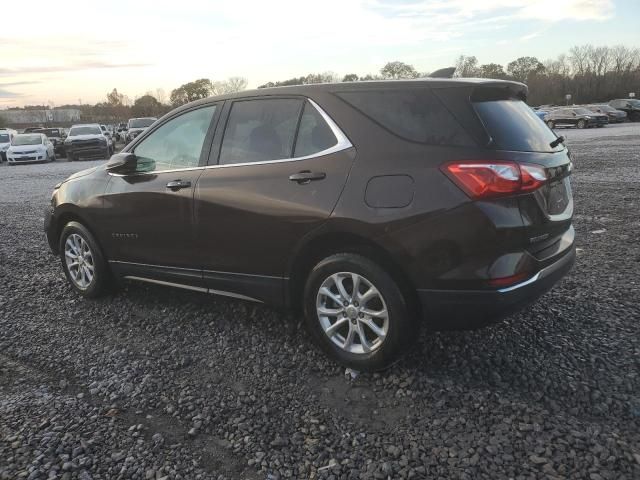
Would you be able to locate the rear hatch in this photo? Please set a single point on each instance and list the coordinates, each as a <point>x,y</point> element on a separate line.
<point>499,119</point>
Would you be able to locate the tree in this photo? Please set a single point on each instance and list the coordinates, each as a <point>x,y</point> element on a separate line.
<point>491,70</point>
<point>188,92</point>
<point>350,77</point>
<point>397,70</point>
<point>467,67</point>
<point>146,106</point>
<point>114,98</point>
<point>230,85</point>
<point>522,68</point>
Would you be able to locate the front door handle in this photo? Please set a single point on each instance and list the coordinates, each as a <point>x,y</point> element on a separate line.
<point>176,185</point>
<point>306,176</point>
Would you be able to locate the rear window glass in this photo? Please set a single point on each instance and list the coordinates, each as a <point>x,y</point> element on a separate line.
<point>413,114</point>
<point>314,135</point>
<point>514,126</point>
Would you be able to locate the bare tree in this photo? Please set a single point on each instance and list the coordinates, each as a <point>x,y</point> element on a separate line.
<point>467,66</point>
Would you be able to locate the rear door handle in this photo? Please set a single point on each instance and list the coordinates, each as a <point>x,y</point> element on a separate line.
<point>306,176</point>
<point>178,184</point>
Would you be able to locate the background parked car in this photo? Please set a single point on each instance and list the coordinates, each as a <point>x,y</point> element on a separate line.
<point>6,134</point>
<point>110,142</point>
<point>631,106</point>
<point>574,117</point>
<point>615,116</point>
<point>136,126</point>
<point>86,141</point>
<point>56,137</point>
<point>30,148</point>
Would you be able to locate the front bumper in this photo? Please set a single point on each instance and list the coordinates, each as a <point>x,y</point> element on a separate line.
<point>49,227</point>
<point>470,309</point>
<point>94,151</point>
<point>26,159</point>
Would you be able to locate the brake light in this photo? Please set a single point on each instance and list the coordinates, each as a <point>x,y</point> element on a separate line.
<point>487,179</point>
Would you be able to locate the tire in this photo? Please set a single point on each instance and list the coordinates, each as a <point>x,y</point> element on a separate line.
<point>550,124</point>
<point>581,124</point>
<point>106,154</point>
<point>380,348</point>
<point>70,157</point>
<point>76,238</point>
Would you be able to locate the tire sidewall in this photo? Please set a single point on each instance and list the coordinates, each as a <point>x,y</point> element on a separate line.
<point>101,272</point>
<point>401,325</point>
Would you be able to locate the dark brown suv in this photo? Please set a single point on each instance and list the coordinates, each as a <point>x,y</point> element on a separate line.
<point>373,207</point>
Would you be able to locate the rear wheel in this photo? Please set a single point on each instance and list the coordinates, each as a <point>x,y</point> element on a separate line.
<point>582,124</point>
<point>82,261</point>
<point>357,312</point>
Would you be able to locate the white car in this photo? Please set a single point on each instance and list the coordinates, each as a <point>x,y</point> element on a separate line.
<point>6,135</point>
<point>30,148</point>
<point>109,137</point>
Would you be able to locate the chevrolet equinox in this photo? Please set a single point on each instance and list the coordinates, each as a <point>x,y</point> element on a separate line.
<point>371,207</point>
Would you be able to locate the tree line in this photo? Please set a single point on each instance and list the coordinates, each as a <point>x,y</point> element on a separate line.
<point>588,73</point>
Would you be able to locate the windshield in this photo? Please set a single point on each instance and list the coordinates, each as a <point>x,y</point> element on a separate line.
<point>635,103</point>
<point>4,138</point>
<point>141,122</point>
<point>50,132</point>
<point>582,111</point>
<point>27,140</point>
<point>604,108</point>
<point>512,125</point>
<point>75,131</point>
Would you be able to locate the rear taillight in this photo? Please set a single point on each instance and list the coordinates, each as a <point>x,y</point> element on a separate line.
<point>487,179</point>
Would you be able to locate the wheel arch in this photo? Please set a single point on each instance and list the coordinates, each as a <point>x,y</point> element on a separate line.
<point>329,243</point>
<point>72,215</point>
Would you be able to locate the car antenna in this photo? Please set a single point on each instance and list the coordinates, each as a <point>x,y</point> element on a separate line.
<point>443,73</point>
<point>557,142</point>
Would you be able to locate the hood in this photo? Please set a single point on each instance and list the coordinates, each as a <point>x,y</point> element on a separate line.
<point>25,148</point>
<point>91,136</point>
<point>83,173</point>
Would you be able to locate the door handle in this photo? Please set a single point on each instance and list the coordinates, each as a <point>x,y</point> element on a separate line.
<point>176,185</point>
<point>306,176</point>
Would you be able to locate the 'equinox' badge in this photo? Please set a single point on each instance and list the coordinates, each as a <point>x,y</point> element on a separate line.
<point>125,236</point>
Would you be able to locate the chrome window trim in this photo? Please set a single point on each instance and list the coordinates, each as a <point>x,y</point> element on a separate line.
<point>343,143</point>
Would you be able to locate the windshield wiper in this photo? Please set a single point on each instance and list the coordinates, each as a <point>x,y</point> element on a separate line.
<point>557,142</point>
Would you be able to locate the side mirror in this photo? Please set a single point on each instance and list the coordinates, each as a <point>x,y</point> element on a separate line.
<point>125,162</point>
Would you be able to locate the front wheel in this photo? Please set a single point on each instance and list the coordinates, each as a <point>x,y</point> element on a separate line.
<point>550,124</point>
<point>582,124</point>
<point>357,312</point>
<point>82,261</point>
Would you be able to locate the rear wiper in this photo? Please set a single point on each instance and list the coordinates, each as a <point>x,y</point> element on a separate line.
<point>557,142</point>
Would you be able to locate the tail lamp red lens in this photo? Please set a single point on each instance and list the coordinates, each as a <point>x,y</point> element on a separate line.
<point>487,179</point>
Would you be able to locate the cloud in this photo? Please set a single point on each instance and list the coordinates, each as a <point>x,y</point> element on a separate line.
<point>65,68</point>
<point>7,94</point>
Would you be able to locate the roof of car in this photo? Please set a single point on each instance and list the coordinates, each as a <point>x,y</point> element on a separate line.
<point>86,125</point>
<point>363,85</point>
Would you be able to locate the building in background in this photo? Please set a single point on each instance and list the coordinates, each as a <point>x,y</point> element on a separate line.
<point>62,117</point>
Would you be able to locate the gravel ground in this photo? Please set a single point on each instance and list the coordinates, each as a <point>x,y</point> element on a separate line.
<point>159,383</point>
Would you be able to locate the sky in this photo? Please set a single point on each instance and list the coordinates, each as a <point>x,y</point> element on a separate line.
<point>78,50</point>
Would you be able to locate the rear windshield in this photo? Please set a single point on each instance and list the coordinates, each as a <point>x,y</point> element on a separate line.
<point>513,126</point>
<point>4,138</point>
<point>413,114</point>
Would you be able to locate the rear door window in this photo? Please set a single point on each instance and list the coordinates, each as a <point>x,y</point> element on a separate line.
<point>260,130</point>
<point>414,114</point>
<point>314,135</point>
<point>513,126</point>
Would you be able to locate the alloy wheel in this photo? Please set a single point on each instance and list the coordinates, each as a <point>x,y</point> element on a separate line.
<point>79,261</point>
<point>352,312</point>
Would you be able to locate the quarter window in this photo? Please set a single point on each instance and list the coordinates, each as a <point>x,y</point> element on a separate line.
<point>314,135</point>
<point>176,144</point>
<point>413,114</point>
<point>260,130</point>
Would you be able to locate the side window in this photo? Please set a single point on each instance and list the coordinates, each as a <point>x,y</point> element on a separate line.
<point>260,130</point>
<point>314,135</point>
<point>414,114</point>
<point>176,144</point>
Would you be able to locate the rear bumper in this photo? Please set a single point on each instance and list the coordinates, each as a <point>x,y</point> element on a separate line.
<point>470,309</point>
